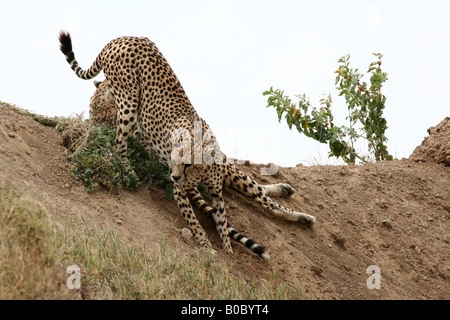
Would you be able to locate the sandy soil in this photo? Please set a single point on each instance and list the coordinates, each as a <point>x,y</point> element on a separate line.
<point>394,215</point>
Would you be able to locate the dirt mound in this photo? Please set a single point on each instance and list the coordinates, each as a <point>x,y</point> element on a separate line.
<point>435,147</point>
<point>393,215</point>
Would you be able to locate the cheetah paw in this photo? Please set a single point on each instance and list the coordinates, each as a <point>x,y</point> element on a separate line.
<point>307,219</point>
<point>286,190</point>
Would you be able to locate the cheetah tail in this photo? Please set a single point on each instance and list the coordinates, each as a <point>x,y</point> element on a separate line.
<point>249,243</point>
<point>66,48</point>
<point>200,203</point>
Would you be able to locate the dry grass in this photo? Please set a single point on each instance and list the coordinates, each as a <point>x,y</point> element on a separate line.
<point>35,254</point>
<point>30,256</point>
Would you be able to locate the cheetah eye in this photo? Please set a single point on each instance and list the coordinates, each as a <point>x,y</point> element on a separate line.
<point>186,167</point>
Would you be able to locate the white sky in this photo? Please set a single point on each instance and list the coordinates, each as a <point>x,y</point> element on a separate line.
<point>226,53</point>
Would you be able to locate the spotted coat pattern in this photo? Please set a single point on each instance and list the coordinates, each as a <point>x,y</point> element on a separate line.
<point>149,97</point>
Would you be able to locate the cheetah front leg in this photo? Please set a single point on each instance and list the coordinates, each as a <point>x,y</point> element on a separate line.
<point>198,200</point>
<point>180,195</point>
<point>220,218</point>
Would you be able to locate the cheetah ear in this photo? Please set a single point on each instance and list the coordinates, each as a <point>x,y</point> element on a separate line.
<point>97,83</point>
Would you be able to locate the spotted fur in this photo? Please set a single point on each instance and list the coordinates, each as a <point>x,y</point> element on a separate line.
<point>188,174</point>
<point>148,97</point>
<point>198,200</point>
<point>102,109</point>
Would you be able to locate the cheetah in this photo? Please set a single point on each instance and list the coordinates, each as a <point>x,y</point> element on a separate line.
<point>149,96</point>
<point>103,111</point>
<point>144,86</point>
<point>102,108</point>
<point>203,162</point>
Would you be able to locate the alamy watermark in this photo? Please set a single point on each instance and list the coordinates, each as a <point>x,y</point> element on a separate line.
<point>74,280</point>
<point>202,147</point>
<point>374,280</point>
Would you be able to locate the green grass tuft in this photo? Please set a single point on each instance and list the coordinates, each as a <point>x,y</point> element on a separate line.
<point>97,163</point>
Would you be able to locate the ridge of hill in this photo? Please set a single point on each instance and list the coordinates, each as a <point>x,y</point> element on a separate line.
<point>394,215</point>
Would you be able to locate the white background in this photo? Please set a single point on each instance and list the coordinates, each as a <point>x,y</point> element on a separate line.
<point>226,53</point>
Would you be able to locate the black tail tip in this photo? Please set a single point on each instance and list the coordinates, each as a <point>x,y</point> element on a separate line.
<point>66,42</point>
<point>262,252</point>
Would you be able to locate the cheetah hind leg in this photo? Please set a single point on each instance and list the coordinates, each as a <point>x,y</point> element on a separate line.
<point>200,203</point>
<point>140,138</point>
<point>278,190</point>
<point>247,186</point>
<point>127,102</point>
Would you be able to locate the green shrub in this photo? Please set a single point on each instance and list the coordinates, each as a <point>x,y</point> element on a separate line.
<point>365,108</point>
<point>97,163</point>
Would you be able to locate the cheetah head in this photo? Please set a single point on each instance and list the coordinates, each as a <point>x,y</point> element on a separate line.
<point>102,108</point>
<point>187,174</point>
<point>185,170</point>
<point>190,157</point>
